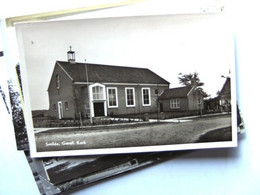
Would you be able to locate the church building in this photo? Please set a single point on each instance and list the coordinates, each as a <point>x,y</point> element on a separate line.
<point>97,90</point>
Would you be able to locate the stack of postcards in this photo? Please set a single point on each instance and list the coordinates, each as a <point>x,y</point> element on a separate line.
<point>101,97</point>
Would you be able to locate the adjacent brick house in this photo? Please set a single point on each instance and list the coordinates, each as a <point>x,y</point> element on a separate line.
<point>102,90</point>
<point>182,99</point>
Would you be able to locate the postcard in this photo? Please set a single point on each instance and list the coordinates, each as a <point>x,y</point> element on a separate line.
<point>68,174</point>
<point>128,84</point>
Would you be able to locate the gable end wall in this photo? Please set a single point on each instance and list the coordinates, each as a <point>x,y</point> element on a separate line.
<point>64,94</point>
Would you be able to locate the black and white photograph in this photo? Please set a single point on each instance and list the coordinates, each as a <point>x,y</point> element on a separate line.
<point>128,84</point>
<point>70,174</point>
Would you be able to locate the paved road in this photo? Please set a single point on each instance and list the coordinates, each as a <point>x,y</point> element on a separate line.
<point>144,135</point>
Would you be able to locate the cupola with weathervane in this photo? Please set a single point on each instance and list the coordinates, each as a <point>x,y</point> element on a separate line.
<point>71,56</point>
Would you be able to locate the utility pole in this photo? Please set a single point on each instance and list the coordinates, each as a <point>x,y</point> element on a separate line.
<point>90,116</point>
<point>157,101</point>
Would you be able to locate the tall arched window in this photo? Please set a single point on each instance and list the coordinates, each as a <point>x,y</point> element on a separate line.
<point>98,93</point>
<point>57,81</point>
<point>97,100</point>
<point>146,96</point>
<point>112,97</point>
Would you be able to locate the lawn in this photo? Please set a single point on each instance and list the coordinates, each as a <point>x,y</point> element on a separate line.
<point>141,134</point>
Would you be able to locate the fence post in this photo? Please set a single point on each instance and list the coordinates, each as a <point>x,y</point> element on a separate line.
<point>80,119</point>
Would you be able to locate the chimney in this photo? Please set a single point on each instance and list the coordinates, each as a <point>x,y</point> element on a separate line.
<point>71,56</point>
<point>193,82</point>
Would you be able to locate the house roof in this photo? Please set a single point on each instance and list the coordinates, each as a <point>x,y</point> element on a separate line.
<point>110,74</point>
<point>175,93</point>
<point>226,87</point>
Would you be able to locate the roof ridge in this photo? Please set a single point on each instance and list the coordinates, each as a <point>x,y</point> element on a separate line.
<point>83,63</point>
<point>180,87</point>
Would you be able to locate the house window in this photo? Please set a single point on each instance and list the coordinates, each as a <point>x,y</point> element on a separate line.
<point>146,97</point>
<point>130,97</point>
<point>66,106</point>
<point>112,97</point>
<point>57,81</point>
<point>97,92</point>
<point>54,107</point>
<point>175,103</point>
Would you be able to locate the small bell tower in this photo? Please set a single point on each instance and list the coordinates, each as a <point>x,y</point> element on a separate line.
<point>71,56</point>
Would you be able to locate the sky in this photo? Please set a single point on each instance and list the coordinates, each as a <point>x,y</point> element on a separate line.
<point>166,44</point>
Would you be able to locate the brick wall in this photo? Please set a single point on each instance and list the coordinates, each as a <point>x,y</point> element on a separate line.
<point>64,94</point>
<point>167,108</point>
<point>193,99</point>
<point>122,109</point>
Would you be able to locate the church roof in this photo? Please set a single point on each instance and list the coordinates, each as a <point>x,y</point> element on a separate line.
<point>109,74</point>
